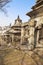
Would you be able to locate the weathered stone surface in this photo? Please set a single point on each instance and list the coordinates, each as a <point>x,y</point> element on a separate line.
<point>19,57</point>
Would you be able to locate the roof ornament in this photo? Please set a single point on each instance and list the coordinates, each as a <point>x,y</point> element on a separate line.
<point>18,18</point>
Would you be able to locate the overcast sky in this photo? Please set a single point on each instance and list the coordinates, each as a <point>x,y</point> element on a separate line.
<point>15,8</point>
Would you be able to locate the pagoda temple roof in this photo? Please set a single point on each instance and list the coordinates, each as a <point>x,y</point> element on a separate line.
<point>36,9</point>
<point>31,13</point>
<point>38,3</point>
<point>38,0</point>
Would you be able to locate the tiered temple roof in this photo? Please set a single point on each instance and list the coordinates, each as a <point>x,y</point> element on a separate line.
<point>36,9</point>
<point>38,4</point>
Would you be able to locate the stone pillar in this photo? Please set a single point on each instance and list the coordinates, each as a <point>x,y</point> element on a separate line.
<point>31,39</point>
<point>22,34</point>
<point>26,32</point>
<point>12,38</point>
<point>39,41</point>
<point>37,36</point>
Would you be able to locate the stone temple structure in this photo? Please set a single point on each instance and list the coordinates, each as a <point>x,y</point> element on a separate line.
<point>29,34</point>
<point>24,41</point>
<point>37,17</point>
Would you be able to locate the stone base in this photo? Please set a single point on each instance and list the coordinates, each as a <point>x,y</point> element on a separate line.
<point>40,45</point>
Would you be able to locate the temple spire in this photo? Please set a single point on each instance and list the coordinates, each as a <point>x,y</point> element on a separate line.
<point>18,20</point>
<point>18,16</point>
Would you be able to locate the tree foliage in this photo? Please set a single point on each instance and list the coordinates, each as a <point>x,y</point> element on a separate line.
<point>2,4</point>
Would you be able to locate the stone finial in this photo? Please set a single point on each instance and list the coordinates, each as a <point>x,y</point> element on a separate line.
<point>18,18</point>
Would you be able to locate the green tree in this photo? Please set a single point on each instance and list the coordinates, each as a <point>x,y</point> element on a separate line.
<point>3,3</point>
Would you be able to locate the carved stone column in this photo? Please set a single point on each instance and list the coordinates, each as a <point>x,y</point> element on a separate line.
<point>22,34</point>
<point>31,39</point>
<point>37,38</point>
<point>38,44</point>
<point>12,38</point>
